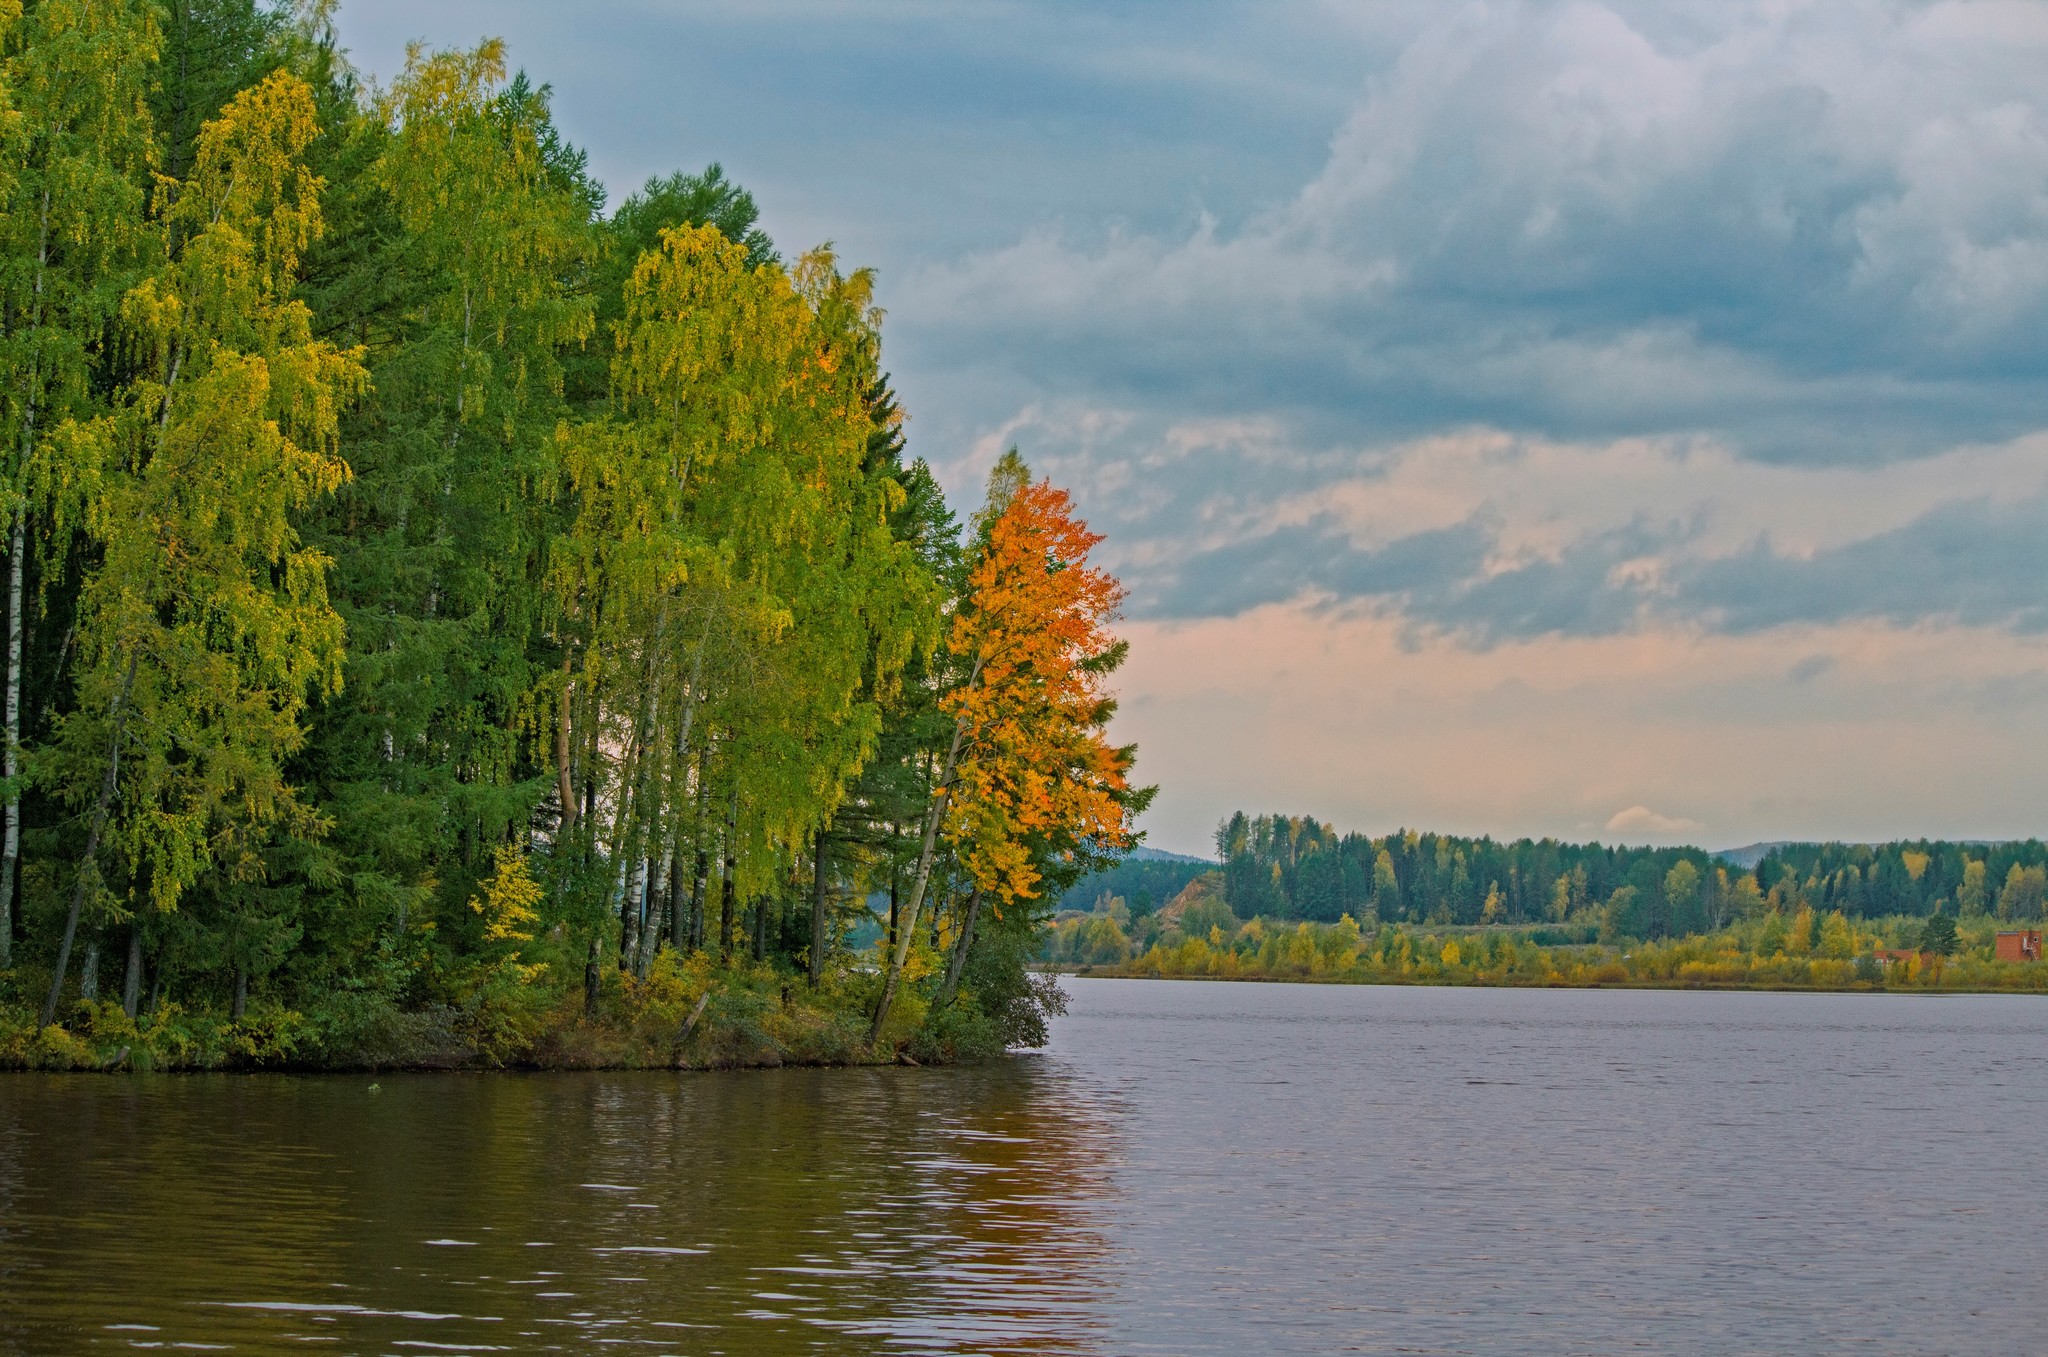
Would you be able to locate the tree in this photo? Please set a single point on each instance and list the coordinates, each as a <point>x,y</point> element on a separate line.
<point>1386,888</point>
<point>707,199</point>
<point>1684,915</point>
<point>76,150</point>
<point>729,553</point>
<point>1621,919</point>
<point>1745,900</point>
<point>206,627</point>
<point>1836,940</point>
<point>1970,893</point>
<point>1938,935</point>
<point>2023,894</point>
<point>1029,768</point>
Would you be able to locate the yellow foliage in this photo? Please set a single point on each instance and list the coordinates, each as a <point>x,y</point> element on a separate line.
<point>508,898</point>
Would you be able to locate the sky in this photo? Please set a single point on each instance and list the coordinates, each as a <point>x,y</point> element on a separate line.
<point>1606,420</point>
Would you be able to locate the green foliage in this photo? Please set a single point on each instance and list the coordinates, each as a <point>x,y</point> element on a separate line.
<point>1938,935</point>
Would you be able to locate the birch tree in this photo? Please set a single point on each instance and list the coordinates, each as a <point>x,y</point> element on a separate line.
<point>77,148</point>
<point>206,627</point>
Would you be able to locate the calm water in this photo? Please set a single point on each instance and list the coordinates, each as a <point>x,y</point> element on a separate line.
<point>1192,1168</point>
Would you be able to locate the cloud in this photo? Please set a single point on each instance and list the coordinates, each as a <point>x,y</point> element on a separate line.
<point>1976,562</point>
<point>1817,231</point>
<point>1485,538</point>
<point>1643,820</point>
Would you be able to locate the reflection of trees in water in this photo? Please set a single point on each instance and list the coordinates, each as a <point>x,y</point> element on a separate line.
<point>147,1200</point>
<point>986,1204</point>
<point>942,1207</point>
<point>854,1209</point>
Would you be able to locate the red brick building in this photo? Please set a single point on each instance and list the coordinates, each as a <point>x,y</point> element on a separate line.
<point>2024,945</point>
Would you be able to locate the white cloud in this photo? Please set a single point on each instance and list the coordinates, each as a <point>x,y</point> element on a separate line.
<point>1643,820</point>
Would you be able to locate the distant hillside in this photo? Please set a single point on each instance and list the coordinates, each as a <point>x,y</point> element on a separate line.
<point>1749,855</point>
<point>1148,878</point>
<point>1143,854</point>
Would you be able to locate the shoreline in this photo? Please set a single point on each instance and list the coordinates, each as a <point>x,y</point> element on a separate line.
<point>1711,987</point>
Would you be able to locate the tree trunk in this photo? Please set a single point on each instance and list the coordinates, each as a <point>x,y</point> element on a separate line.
<point>960,946</point>
<point>818,910</point>
<point>131,985</point>
<point>564,786</point>
<point>697,901</point>
<point>940,795</point>
<point>632,914</point>
<point>651,916</point>
<point>678,916</point>
<point>17,552</point>
<point>89,972</point>
<point>10,760</point>
<point>88,866</point>
<point>593,976</point>
<point>621,840</point>
<point>725,916</point>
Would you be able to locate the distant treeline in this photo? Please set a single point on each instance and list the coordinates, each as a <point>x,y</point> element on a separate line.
<point>1295,867</point>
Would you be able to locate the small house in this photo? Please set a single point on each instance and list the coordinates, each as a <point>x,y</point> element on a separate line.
<point>2024,945</point>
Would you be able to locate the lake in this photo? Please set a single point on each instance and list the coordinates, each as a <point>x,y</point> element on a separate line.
<point>1190,1168</point>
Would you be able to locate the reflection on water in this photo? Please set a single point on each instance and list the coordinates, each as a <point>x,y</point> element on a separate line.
<point>1192,1168</point>
<point>766,1212</point>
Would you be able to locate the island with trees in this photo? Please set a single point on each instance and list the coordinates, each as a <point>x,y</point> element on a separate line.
<point>451,623</point>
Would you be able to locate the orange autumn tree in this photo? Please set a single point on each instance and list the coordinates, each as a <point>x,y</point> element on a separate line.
<point>1030,769</point>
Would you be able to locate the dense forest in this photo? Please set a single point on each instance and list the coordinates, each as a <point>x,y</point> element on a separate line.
<point>1294,867</point>
<point>449,620</point>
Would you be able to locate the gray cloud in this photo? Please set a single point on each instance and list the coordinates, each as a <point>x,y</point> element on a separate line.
<point>1820,232</point>
<point>1975,563</point>
<point>1315,558</point>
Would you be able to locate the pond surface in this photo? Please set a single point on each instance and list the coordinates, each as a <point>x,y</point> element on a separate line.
<point>1192,1168</point>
